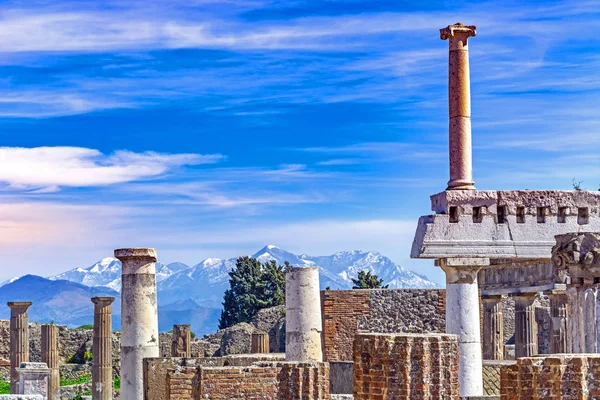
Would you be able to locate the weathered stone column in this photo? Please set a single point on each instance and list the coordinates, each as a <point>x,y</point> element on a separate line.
<point>139,318</point>
<point>260,343</point>
<point>558,311</point>
<point>19,340</point>
<point>493,328</point>
<point>462,319</point>
<point>181,344</point>
<point>303,324</point>
<point>51,357</point>
<point>102,379</point>
<point>526,340</point>
<point>459,99</point>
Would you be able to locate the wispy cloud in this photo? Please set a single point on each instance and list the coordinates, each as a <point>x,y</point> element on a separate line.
<point>54,167</point>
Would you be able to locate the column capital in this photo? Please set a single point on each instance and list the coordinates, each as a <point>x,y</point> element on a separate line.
<point>136,254</point>
<point>459,33</point>
<point>16,305</point>
<point>102,301</point>
<point>573,249</point>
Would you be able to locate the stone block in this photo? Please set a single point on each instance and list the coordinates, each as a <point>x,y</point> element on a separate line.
<point>341,377</point>
<point>33,379</point>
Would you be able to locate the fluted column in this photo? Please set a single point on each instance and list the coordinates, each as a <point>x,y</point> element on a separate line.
<point>51,357</point>
<point>19,340</point>
<point>526,340</point>
<point>260,343</point>
<point>558,312</point>
<point>459,99</point>
<point>462,319</point>
<point>181,345</point>
<point>102,376</point>
<point>493,328</point>
<point>139,318</point>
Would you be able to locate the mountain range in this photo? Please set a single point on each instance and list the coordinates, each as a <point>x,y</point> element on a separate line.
<point>186,294</point>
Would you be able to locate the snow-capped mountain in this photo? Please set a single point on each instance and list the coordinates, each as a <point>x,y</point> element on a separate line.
<point>107,272</point>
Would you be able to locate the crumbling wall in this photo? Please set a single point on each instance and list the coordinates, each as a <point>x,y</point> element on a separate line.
<point>346,312</point>
<point>405,366</point>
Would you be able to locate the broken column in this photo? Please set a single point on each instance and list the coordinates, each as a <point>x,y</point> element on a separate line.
<point>558,312</point>
<point>462,319</point>
<point>19,340</point>
<point>576,257</point>
<point>459,102</point>
<point>260,343</point>
<point>181,344</point>
<point>139,318</point>
<point>493,328</point>
<point>526,341</point>
<point>303,315</point>
<point>51,357</point>
<point>102,379</point>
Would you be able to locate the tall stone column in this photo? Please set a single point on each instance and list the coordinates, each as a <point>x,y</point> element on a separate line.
<point>462,319</point>
<point>459,99</point>
<point>51,357</point>
<point>303,324</point>
<point>139,318</point>
<point>526,340</point>
<point>182,340</point>
<point>558,312</point>
<point>19,340</point>
<point>102,376</point>
<point>493,328</point>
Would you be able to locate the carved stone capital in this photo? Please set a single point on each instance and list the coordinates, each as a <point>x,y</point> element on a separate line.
<point>576,249</point>
<point>458,31</point>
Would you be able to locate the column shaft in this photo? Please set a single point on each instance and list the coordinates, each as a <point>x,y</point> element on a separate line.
<point>102,375</point>
<point>558,311</point>
<point>51,357</point>
<point>19,340</point>
<point>139,318</point>
<point>260,343</point>
<point>493,328</point>
<point>526,340</point>
<point>303,315</point>
<point>462,319</point>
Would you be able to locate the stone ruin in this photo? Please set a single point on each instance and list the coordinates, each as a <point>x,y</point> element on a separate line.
<point>538,251</point>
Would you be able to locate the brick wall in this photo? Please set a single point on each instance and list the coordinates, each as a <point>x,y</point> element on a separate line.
<point>346,312</point>
<point>180,384</point>
<point>567,376</point>
<point>405,366</point>
<point>238,383</point>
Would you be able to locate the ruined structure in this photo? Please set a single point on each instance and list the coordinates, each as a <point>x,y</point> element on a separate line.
<point>260,343</point>
<point>33,379</point>
<point>303,315</point>
<point>498,242</point>
<point>139,318</point>
<point>182,338</point>
<point>51,358</point>
<point>19,340</point>
<point>102,383</point>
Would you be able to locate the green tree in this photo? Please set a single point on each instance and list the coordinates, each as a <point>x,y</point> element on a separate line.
<point>252,287</point>
<point>366,280</point>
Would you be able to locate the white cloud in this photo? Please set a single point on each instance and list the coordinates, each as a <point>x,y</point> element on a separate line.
<point>49,168</point>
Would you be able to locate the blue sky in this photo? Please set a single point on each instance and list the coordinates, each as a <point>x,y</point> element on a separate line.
<point>211,128</point>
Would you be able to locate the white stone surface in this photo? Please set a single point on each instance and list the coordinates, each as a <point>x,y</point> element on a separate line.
<point>462,319</point>
<point>21,397</point>
<point>139,318</point>
<point>303,315</point>
<point>33,379</point>
<point>584,319</point>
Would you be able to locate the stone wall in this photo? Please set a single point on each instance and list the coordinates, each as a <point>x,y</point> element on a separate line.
<point>405,366</point>
<point>565,376</point>
<point>346,312</point>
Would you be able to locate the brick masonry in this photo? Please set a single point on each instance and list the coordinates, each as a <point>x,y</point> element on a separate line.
<point>491,376</point>
<point>346,312</point>
<point>405,366</point>
<point>565,376</point>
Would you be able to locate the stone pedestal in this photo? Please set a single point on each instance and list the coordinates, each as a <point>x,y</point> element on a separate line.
<point>459,99</point>
<point>181,344</point>
<point>102,383</point>
<point>139,318</point>
<point>462,319</point>
<point>33,379</point>
<point>19,340</point>
<point>51,357</point>
<point>303,315</point>
<point>493,328</point>
<point>558,312</point>
<point>260,343</point>
<point>526,340</point>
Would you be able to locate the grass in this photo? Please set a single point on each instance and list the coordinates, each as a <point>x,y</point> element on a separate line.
<point>4,387</point>
<point>85,327</point>
<point>117,383</point>
<point>77,381</point>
